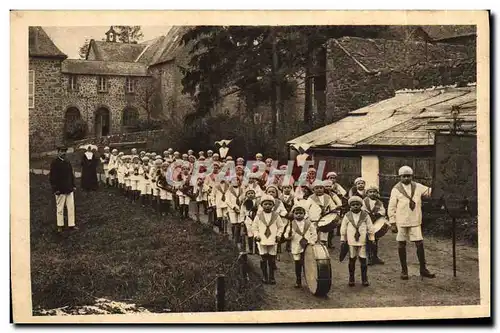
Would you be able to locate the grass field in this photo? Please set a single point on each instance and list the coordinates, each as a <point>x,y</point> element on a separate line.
<point>125,253</point>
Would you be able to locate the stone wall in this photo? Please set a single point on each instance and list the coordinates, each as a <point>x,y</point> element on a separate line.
<point>45,122</point>
<point>88,100</point>
<point>349,87</point>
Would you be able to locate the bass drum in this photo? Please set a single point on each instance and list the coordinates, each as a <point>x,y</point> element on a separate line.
<point>328,223</point>
<point>380,227</point>
<point>317,269</point>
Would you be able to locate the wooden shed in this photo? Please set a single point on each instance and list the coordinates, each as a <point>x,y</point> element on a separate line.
<point>374,141</point>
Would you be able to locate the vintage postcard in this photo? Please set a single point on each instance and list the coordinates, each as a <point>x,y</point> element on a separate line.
<point>249,166</point>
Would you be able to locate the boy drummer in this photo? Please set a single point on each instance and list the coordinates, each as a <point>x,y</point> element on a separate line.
<point>375,208</point>
<point>355,229</point>
<point>320,205</point>
<point>267,228</point>
<point>300,231</point>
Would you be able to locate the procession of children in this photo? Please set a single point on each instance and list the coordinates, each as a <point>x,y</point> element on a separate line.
<point>268,213</point>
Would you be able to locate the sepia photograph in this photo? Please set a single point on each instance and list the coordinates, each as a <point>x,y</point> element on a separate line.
<point>206,168</point>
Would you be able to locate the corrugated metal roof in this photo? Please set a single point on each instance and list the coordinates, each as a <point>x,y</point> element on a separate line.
<point>408,119</point>
<point>74,66</point>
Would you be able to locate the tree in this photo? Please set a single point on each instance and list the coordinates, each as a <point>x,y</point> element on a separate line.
<point>259,63</point>
<point>129,33</point>
<point>82,51</point>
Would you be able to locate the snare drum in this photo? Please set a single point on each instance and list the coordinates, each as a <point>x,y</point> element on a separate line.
<point>317,269</point>
<point>328,223</point>
<point>380,227</point>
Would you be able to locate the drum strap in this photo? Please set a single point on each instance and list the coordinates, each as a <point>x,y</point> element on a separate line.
<point>401,189</point>
<point>267,233</point>
<point>303,241</point>
<point>326,206</point>
<point>375,208</point>
<point>296,228</point>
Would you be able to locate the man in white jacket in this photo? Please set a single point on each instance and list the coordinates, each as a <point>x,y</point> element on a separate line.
<point>405,217</point>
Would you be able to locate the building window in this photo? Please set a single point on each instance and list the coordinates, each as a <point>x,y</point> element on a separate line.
<point>31,89</point>
<point>102,84</point>
<point>72,83</point>
<point>130,118</point>
<point>130,85</point>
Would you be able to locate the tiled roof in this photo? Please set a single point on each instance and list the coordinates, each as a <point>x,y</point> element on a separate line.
<point>116,51</point>
<point>434,32</point>
<point>376,54</point>
<point>408,119</point>
<point>438,32</point>
<point>173,44</point>
<point>153,50</point>
<point>40,44</point>
<point>92,67</point>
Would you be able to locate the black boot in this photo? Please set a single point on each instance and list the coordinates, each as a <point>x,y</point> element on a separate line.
<point>352,270</point>
<point>376,259</point>
<point>402,260</point>
<point>272,267</point>
<point>251,245</point>
<point>186,212</point>
<point>330,240</point>
<point>424,272</point>
<point>298,274</point>
<point>107,182</point>
<point>263,267</point>
<point>143,200</point>
<point>232,231</point>
<point>364,272</point>
<point>168,207</point>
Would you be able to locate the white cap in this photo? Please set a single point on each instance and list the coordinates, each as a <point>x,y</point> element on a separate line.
<point>355,198</point>
<point>106,148</point>
<point>405,170</point>
<point>266,197</point>
<point>301,204</point>
<point>331,173</point>
<point>317,183</point>
<point>359,179</point>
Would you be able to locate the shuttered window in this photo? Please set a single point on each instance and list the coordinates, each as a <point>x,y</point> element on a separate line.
<point>31,89</point>
<point>102,84</point>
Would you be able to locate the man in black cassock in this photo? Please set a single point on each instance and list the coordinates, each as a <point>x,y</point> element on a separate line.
<point>90,162</point>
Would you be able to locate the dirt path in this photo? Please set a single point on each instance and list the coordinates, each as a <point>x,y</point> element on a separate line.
<point>386,289</point>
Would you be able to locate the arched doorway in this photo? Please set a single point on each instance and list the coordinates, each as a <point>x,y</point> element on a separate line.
<point>102,122</point>
<point>130,118</point>
<point>73,126</point>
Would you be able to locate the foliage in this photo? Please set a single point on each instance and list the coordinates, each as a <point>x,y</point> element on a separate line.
<point>82,51</point>
<point>76,130</point>
<point>128,33</point>
<point>146,125</point>
<point>254,61</point>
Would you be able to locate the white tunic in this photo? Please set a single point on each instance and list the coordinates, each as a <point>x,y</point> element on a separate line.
<point>364,226</point>
<point>399,205</point>
<point>262,221</point>
<point>291,233</point>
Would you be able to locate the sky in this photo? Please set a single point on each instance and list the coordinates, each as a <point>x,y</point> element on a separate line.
<point>69,39</point>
